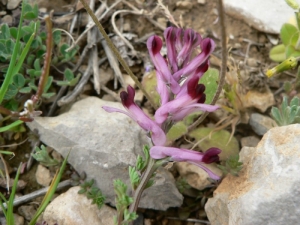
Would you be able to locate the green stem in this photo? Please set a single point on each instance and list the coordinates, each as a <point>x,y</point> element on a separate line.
<point>116,52</point>
<point>151,167</point>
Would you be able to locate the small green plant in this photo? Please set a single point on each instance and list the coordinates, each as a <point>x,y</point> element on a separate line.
<point>122,202</point>
<point>92,192</point>
<point>231,165</point>
<point>41,155</point>
<point>182,185</point>
<point>287,114</point>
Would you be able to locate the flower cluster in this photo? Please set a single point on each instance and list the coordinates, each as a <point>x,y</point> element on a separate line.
<point>180,93</point>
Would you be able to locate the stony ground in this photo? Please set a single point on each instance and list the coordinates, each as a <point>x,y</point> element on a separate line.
<point>248,60</point>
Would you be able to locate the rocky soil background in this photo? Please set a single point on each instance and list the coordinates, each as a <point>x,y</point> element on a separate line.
<point>104,145</point>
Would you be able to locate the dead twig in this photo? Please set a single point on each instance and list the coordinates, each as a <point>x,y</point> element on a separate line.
<point>91,24</point>
<point>115,51</point>
<point>113,63</point>
<point>26,198</point>
<point>223,65</point>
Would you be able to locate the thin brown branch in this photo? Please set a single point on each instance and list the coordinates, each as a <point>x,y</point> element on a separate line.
<point>223,64</point>
<point>47,61</point>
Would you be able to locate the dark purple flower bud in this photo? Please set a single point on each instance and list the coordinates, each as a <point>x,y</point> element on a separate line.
<point>211,155</point>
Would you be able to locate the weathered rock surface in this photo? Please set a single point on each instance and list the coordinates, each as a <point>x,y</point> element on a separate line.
<point>260,123</point>
<point>259,100</point>
<point>267,189</point>
<point>267,15</point>
<point>104,145</point>
<point>71,208</point>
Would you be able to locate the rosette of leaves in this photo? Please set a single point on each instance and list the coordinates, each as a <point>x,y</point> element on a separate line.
<point>290,37</point>
<point>287,114</point>
<point>41,155</point>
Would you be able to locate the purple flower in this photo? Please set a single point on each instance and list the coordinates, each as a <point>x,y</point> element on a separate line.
<point>180,46</point>
<point>134,112</point>
<point>194,157</point>
<point>154,45</point>
<point>186,102</point>
<point>180,93</point>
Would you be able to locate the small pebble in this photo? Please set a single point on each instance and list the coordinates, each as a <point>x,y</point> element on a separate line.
<point>250,141</point>
<point>7,19</point>
<point>43,176</point>
<point>202,2</point>
<point>261,124</point>
<point>184,4</point>
<point>253,62</point>
<point>12,4</point>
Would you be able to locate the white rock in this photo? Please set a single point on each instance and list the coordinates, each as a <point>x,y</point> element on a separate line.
<point>43,175</point>
<point>103,145</point>
<point>267,15</point>
<point>71,208</point>
<point>267,189</point>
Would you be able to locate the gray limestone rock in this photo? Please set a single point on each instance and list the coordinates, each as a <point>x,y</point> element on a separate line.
<point>267,188</point>
<point>104,145</point>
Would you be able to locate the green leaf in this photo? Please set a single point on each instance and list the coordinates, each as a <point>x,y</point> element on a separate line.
<point>290,51</point>
<point>68,74</point>
<point>75,80</point>
<point>30,12</point>
<point>27,29</point>
<point>294,101</point>
<point>287,32</point>
<point>134,177</point>
<point>57,37</point>
<point>11,92</point>
<point>19,80</point>
<point>63,83</point>
<point>50,191</point>
<point>5,32</point>
<point>81,191</point>
<point>48,84</point>
<point>41,155</point>
<point>25,90</point>
<point>11,126</point>
<point>9,45</point>
<point>210,79</point>
<point>13,32</point>
<point>207,138</point>
<point>30,59</point>
<point>12,105</point>
<point>176,131</point>
<point>48,95</point>
<point>37,64</point>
